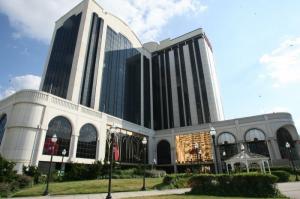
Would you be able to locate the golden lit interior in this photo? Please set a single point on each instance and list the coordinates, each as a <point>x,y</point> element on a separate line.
<point>187,151</point>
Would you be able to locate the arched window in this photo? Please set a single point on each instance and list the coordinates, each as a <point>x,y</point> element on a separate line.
<point>227,144</point>
<point>163,152</point>
<point>63,130</point>
<point>256,142</point>
<point>87,142</point>
<point>3,120</point>
<point>283,136</point>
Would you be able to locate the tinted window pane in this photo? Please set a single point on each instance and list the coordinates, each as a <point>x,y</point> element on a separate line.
<point>121,71</point>
<point>61,127</point>
<point>147,105</point>
<point>61,58</point>
<point>3,120</point>
<point>87,142</point>
<point>90,62</point>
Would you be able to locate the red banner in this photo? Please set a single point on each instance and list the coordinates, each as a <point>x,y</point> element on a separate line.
<point>50,147</point>
<point>116,152</point>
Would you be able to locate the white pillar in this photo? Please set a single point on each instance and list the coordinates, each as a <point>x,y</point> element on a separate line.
<point>39,148</point>
<point>73,147</point>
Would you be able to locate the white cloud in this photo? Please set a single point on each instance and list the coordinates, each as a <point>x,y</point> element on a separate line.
<point>35,18</point>
<point>282,64</point>
<point>20,82</point>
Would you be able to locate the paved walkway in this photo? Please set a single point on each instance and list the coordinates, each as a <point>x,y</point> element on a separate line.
<point>115,195</point>
<point>290,189</point>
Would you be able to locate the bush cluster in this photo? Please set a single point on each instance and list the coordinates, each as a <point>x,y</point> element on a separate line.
<point>249,185</point>
<point>283,176</point>
<point>101,171</point>
<point>172,181</point>
<point>286,169</point>
<point>10,181</point>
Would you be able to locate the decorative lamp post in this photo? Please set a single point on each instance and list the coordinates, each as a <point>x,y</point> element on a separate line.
<point>144,141</point>
<point>288,147</point>
<point>52,147</point>
<point>64,152</point>
<point>213,135</point>
<point>111,139</point>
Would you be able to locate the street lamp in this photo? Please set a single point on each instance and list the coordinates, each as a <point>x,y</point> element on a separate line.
<point>64,152</point>
<point>212,132</point>
<point>111,139</point>
<point>53,141</point>
<point>144,141</point>
<point>288,146</point>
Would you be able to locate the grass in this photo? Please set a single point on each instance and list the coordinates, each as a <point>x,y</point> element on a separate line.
<point>89,187</point>
<point>182,196</point>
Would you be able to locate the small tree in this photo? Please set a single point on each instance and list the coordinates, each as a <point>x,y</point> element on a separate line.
<point>7,172</point>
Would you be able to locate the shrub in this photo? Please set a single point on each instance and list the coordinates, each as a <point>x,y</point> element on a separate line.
<point>32,171</point>
<point>83,171</point>
<point>24,181</point>
<point>283,176</point>
<point>5,189</point>
<point>174,181</point>
<point>7,173</point>
<point>155,173</point>
<point>287,169</point>
<point>250,185</point>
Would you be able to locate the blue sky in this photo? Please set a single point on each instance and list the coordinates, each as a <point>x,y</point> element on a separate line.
<point>256,44</point>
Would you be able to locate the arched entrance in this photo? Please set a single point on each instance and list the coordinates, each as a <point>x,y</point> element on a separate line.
<point>163,152</point>
<point>284,136</point>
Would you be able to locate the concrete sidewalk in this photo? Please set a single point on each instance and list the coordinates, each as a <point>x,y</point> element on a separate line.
<point>114,195</point>
<point>290,189</point>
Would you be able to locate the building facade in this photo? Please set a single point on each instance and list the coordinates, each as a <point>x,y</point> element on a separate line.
<point>98,73</point>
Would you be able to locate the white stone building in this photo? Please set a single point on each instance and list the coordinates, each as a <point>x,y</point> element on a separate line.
<point>98,73</point>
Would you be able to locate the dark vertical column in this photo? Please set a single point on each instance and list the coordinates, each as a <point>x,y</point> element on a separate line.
<point>185,88</point>
<point>147,105</point>
<point>90,62</point>
<point>163,91</point>
<point>202,82</point>
<point>169,88</point>
<point>179,88</point>
<point>156,94</point>
<point>196,83</point>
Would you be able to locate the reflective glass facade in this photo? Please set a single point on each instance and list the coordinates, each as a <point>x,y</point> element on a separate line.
<point>57,76</point>
<point>87,142</point>
<point>147,93</point>
<point>121,79</point>
<point>163,102</point>
<point>3,120</point>
<point>90,62</point>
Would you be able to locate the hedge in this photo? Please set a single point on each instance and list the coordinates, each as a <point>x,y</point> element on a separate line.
<point>172,181</point>
<point>283,176</point>
<point>249,185</point>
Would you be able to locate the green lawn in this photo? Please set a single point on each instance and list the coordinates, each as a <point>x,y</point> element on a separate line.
<point>89,186</point>
<point>187,197</point>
